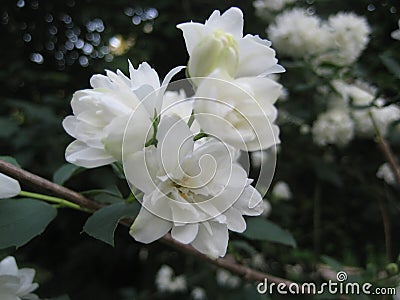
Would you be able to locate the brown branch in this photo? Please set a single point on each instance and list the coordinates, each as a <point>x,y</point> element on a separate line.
<point>388,153</point>
<point>33,180</point>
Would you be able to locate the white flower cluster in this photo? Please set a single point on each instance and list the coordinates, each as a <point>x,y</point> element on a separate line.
<point>351,114</point>
<point>182,153</point>
<point>166,281</point>
<point>396,33</point>
<point>333,127</point>
<point>340,40</point>
<point>385,172</point>
<point>9,187</point>
<point>16,284</point>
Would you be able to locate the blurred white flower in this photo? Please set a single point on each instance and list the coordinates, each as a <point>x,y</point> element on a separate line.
<point>240,112</point>
<point>263,6</point>
<point>267,208</point>
<point>226,279</point>
<point>298,34</point>
<point>9,187</point>
<point>281,191</point>
<point>196,190</point>
<point>358,99</point>
<point>385,172</point>
<point>396,34</point>
<point>16,284</point>
<point>258,261</point>
<point>219,44</point>
<point>258,158</point>
<point>198,293</point>
<point>349,37</point>
<point>333,127</point>
<point>383,117</point>
<point>166,281</point>
<point>101,114</point>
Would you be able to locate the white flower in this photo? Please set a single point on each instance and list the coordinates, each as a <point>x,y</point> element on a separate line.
<point>266,208</point>
<point>349,37</point>
<point>9,187</point>
<point>16,284</point>
<point>198,293</point>
<point>167,282</point>
<point>282,191</point>
<point>396,34</point>
<point>101,114</point>
<point>298,34</point>
<point>240,112</point>
<point>333,127</point>
<point>258,158</point>
<point>226,279</point>
<point>196,190</point>
<point>385,172</point>
<point>263,6</point>
<point>219,43</point>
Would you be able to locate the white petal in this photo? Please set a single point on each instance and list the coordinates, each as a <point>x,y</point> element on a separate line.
<point>193,33</point>
<point>9,187</point>
<point>230,21</point>
<point>143,75</point>
<point>148,227</point>
<point>185,233</point>
<point>212,244</point>
<point>140,169</point>
<point>256,57</point>
<point>234,219</point>
<point>250,202</point>
<point>82,155</point>
<point>8,266</point>
<point>175,141</point>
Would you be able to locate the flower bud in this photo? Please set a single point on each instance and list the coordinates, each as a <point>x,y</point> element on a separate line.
<point>392,268</point>
<point>219,50</point>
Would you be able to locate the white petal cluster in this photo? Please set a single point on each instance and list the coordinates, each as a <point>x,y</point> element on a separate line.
<point>198,293</point>
<point>181,154</point>
<point>358,100</point>
<point>350,35</point>
<point>281,191</point>
<point>100,115</point>
<point>166,281</point>
<point>385,172</point>
<point>16,284</point>
<point>340,40</point>
<point>333,127</point>
<point>9,187</point>
<point>220,44</point>
<point>299,34</point>
<point>396,33</point>
<point>234,99</point>
<point>195,190</point>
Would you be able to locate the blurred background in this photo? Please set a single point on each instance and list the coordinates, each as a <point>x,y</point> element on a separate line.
<point>49,49</point>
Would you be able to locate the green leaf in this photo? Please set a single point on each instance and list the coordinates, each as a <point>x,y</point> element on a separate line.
<point>392,65</point>
<point>102,224</point>
<point>10,160</point>
<point>65,172</point>
<point>23,219</point>
<point>8,127</point>
<point>108,195</point>
<point>264,230</point>
<point>327,172</point>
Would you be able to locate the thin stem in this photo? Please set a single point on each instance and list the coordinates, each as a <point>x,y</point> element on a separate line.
<point>385,149</point>
<point>61,202</point>
<point>317,219</point>
<point>386,228</point>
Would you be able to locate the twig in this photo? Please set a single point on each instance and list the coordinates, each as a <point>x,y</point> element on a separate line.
<point>386,150</point>
<point>386,228</point>
<point>30,179</point>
